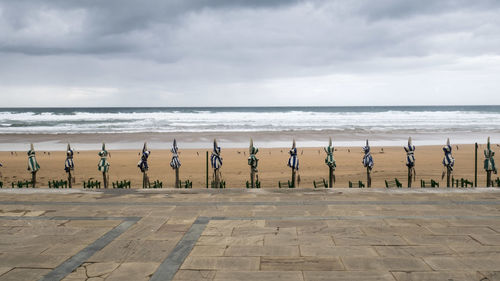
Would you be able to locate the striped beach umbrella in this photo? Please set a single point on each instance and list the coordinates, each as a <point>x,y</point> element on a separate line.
<point>368,163</point>
<point>216,162</point>
<point>489,163</point>
<point>330,162</point>
<point>293,162</point>
<point>143,165</point>
<point>33,165</point>
<point>175,163</point>
<point>69,166</point>
<point>448,162</point>
<point>253,162</point>
<point>410,161</point>
<point>103,165</point>
<point>143,162</point>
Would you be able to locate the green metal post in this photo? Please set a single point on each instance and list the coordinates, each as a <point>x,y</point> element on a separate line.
<point>475,165</point>
<point>207,171</point>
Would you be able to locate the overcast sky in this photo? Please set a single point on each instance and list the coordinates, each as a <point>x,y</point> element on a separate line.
<point>248,53</point>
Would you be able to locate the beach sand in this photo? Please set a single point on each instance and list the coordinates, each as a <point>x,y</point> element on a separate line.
<point>389,164</point>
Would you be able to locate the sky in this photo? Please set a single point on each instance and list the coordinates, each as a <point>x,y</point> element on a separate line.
<point>248,53</point>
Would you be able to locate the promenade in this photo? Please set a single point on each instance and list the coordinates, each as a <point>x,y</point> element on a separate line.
<point>241,234</point>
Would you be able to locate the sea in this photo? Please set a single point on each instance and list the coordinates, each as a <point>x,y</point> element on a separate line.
<point>383,125</point>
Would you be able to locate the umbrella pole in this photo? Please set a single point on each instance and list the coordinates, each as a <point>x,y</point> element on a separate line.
<point>252,177</point>
<point>177,185</point>
<point>33,178</point>
<point>409,177</point>
<point>69,178</point>
<point>216,178</point>
<point>330,182</point>
<point>368,178</point>
<point>475,165</point>
<point>104,179</point>
<point>448,175</point>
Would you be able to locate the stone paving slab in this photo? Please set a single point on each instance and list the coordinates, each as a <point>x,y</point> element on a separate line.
<point>252,235</point>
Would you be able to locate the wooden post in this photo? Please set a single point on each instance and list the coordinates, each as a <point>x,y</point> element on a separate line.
<point>475,164</point>
<point>448,175</point>
<point>33,178</point>
<point>207,170</point>
<point>330,177</point>
<point>368,177</point>
<point>144,180</point>
<point>177,183</point>
<point>105,179</point>
<point>69,179</point>
<point>488,178</point>
<point>216,178</point>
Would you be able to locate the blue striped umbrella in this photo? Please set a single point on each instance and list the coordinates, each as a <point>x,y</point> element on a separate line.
<point>215,158</point>
<point>253,161</point>
<point>410,161</point>
<point>293,161</point>
<point>448,162</point>
<point>68,164</point>
<point>330,162</point>
<point>368,164</point>
<point>175,163</point>
<point>143,162</point>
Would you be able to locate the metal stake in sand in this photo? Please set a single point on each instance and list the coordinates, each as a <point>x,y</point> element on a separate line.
<point>216,162</point>
<point>293,162</point>
<point>143,165</point>
<point>489,163</point>
<point>330,162</point>
<point>33,165</point>
<point>69,166</point>
<point>103,165</point>
<point>252,162</point>
<point>448,162</point>
<point>410,161</point>
<point>368,164</point>
<point>175,163</point>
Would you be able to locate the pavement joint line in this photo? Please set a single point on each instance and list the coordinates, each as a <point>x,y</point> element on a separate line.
<point>169,267</point>
<point>247,203</point>
<point>82,256</point>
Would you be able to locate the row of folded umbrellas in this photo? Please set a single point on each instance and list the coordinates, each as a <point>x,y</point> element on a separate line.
<point>293,161</point>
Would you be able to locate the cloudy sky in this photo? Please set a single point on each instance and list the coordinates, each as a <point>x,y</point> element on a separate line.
<point>256,53</point>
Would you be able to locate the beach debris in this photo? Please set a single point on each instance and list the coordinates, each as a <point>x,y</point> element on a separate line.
<point>368,164</point>
<point>330,162</point>
<point>69,166</point>
<point>410,161</point>
<point>293,163</point>
<point>33,165</point>
<point>216,162</point>
<point>103,165</point>
<point>143,165</point>
<point>253,162</point>
<point>489,163</point>
<point>175,163</point>
<point>448,162</point>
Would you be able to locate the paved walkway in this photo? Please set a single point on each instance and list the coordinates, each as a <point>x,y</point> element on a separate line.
<point>340,234</point>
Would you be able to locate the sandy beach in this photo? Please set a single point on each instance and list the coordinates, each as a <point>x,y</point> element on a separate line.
<point>389,163</point>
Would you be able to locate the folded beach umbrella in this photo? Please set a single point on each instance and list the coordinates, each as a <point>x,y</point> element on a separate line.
<point>143,165</point>
<point>448,161</point>
<point>293,162</point>
<point>330,162</point>
<point>216,162</point>
<point>253,162</point>
<point>410,161</point>
<point>368,163</point>
<point>489,163</point>
<point>69,166</point>
<point>143,162</point>
<point>33,165</point>
<point>175,163</point>
<point>103,165</point>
